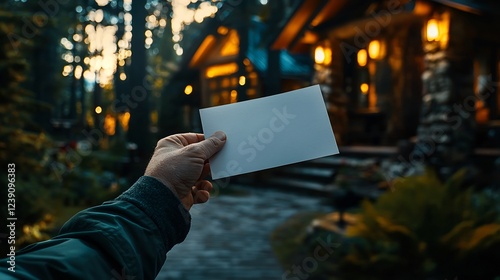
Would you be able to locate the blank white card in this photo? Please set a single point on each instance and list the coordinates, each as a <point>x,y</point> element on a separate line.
<point>269,132</point>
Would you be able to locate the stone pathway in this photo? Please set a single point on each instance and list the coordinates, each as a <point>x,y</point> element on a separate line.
<point>229,237</point>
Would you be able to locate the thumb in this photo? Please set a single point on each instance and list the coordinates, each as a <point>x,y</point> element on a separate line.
<point>212,145</point>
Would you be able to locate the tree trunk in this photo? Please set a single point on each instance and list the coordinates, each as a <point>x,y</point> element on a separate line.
<point>137,96</point>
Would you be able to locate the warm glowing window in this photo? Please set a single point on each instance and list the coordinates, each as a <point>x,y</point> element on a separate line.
<point>123,119</point>
<point>234,96</point>
<point>362,57</point>
<point>226,83</point>
<point>109,125</point>
<point>222,70</point>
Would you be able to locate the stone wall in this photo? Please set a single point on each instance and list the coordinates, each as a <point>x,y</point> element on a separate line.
<point>445,135</point>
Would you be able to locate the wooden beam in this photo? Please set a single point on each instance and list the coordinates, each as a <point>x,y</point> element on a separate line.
<point>301,18</point>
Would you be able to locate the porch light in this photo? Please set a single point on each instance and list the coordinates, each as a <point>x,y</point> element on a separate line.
<point>435,31</point>
<point>188,89</point>
<point>364,88</point>
<point>319,55</point>
<point>242,80</point>
<point>98,109</point>
<point>362,57</point>
<point>323,55</point>
<point>432,30</point>
<point>376,49</point>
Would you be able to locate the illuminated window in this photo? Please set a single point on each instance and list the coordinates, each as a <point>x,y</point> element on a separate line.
<point>234,96</point>
<point>109,124</point>
<point>251,93</point>
<point>225,83</point>
<point>222,70</point>
<point>215,99</point>
<point>253,79</point>
<point>225,89</point>
<point>225,97</point>
<point>124,119</point>
<point>362,57</point>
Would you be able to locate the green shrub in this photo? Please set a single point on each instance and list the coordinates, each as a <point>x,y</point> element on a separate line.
<point>424,229</point>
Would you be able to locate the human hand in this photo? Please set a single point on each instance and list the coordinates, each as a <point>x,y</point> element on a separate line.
<point>180,162</point>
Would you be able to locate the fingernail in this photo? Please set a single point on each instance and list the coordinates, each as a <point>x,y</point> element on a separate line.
<point>220,135</point>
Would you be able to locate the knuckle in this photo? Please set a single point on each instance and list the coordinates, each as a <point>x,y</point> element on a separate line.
<point>192,149</point>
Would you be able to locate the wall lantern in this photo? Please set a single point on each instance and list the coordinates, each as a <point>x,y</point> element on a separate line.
<point>323,55</point>
<point>432,30</point>
<point>376,49</point>
<point>362,57</point>
<point>435,31</point>
<point>364,88</point>
<point>98,110</point>
<point>242,80</point>
<point>188,89</point>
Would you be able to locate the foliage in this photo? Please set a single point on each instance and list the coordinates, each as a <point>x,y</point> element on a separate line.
<point>288,238</point>
<point>425,229</point>
<point>22,142</point>
<point>45,181</point>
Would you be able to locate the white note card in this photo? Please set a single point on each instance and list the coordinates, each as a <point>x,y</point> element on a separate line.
<point>270,131</point>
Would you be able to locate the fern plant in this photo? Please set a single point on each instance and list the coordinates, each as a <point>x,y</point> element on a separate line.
<point>424,229</point>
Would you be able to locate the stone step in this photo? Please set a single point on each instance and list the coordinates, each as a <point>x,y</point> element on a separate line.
<point>298,185</point>
<point>315,174</point>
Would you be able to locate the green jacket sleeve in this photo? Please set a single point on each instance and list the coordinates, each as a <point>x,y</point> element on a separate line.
<point>126,238</point>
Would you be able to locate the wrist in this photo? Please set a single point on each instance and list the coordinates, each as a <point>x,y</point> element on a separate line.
<point>167,185</point>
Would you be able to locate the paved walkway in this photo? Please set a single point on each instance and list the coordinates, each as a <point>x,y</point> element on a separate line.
<point>229,237</point>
